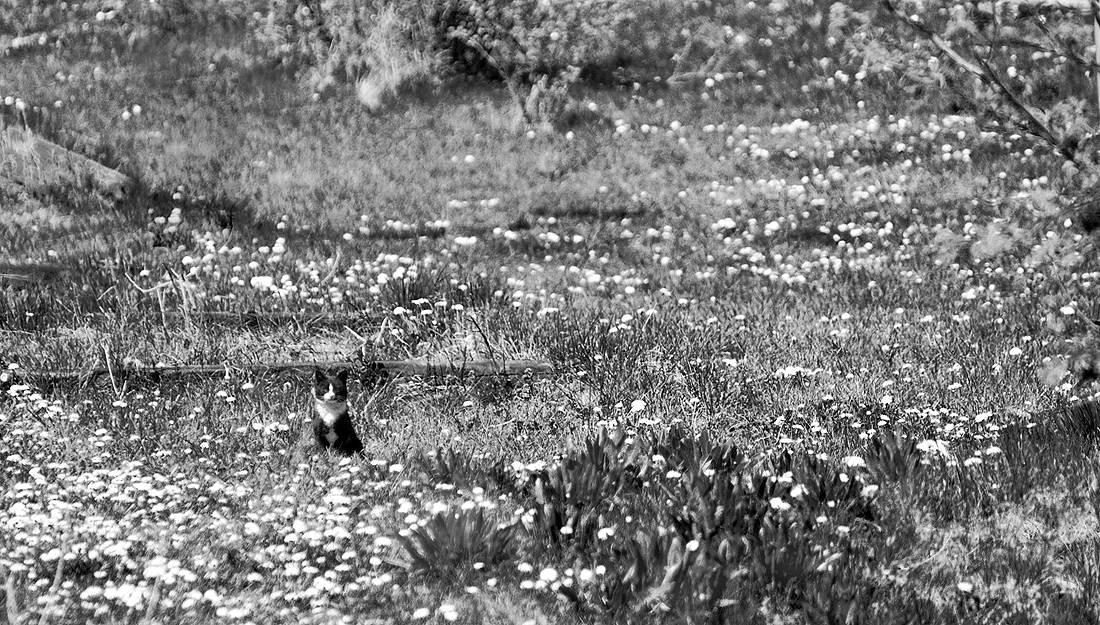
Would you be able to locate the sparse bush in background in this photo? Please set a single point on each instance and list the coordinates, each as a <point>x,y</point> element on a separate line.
<point>382,47</point>
<point>538,48</point>
<point>43,25</point>
<point>393,63</point>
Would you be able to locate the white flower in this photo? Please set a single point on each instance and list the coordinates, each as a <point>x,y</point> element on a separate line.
<point>853,462</point>
<point>928,446</point>
<point>548,575</point>
<point>262,282</point>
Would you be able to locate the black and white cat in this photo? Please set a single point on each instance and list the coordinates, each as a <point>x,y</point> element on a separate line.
<point>332,427</point>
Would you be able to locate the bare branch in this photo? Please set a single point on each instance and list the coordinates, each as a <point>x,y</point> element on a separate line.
<point>984,72</point>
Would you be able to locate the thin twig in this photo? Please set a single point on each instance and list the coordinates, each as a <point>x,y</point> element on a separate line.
<point>110,370</point>
<point>1037,126</point>
<point>51,598</point>
<point>473,43</point>
<point>11,601</point>
<point>154,600</point>
<point>332,272</point>
<point>985,73</point>
<point>485,338</point>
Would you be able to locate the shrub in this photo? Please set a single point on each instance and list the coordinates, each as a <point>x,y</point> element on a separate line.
<point>448,466</point>
<point>538,48</point>
<point>573,496</point>
<point>382,47</point>
<point>1021,66</point>
<point>451,543</point>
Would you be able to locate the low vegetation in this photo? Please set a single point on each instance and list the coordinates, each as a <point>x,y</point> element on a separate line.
<point>819,354</point>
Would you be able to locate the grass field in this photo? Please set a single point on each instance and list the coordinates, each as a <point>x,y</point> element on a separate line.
<point>805,351</point>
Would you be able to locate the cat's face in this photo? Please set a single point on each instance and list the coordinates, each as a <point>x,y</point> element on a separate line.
<point>329,387</point>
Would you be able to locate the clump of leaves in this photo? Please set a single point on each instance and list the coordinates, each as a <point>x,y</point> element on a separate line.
<point>732,539</point>
<point>459,468</point>
<point>458,545</point>
<point>892,457</point>
<point>675,448</point>
<point>661,572</point>
<point>573,496</point>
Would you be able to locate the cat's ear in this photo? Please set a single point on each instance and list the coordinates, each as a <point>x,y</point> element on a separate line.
<point>342,375</point>
<point>318,375</point>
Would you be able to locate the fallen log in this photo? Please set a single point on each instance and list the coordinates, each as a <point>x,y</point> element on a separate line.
<point>256,318</point>
<point>373,370</point>
<point>23,275</point>
<point>28,272</point>
<point>31,161</point>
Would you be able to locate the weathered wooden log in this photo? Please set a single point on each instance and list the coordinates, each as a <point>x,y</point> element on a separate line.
<point>24,275</point>
<point>30,160</point>
<point>257,317</point>
<point>365,369</point>
<point>28,272</point>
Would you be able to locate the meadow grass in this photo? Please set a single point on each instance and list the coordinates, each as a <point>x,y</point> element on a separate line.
<point>799,340</point>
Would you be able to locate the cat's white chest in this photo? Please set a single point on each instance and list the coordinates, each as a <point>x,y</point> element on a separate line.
<point>329,413</point>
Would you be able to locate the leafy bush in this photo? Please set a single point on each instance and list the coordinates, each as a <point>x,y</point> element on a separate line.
<point>452,543</point>
<point>382,47</point>
<point>538,48</point>
<point>893,457</point>
<point>1019,66</point>
<point>573,497</point>
<point>448,466</point>
<point>678,449</point>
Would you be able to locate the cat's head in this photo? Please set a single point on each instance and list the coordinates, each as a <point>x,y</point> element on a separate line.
<point>330,386</point>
